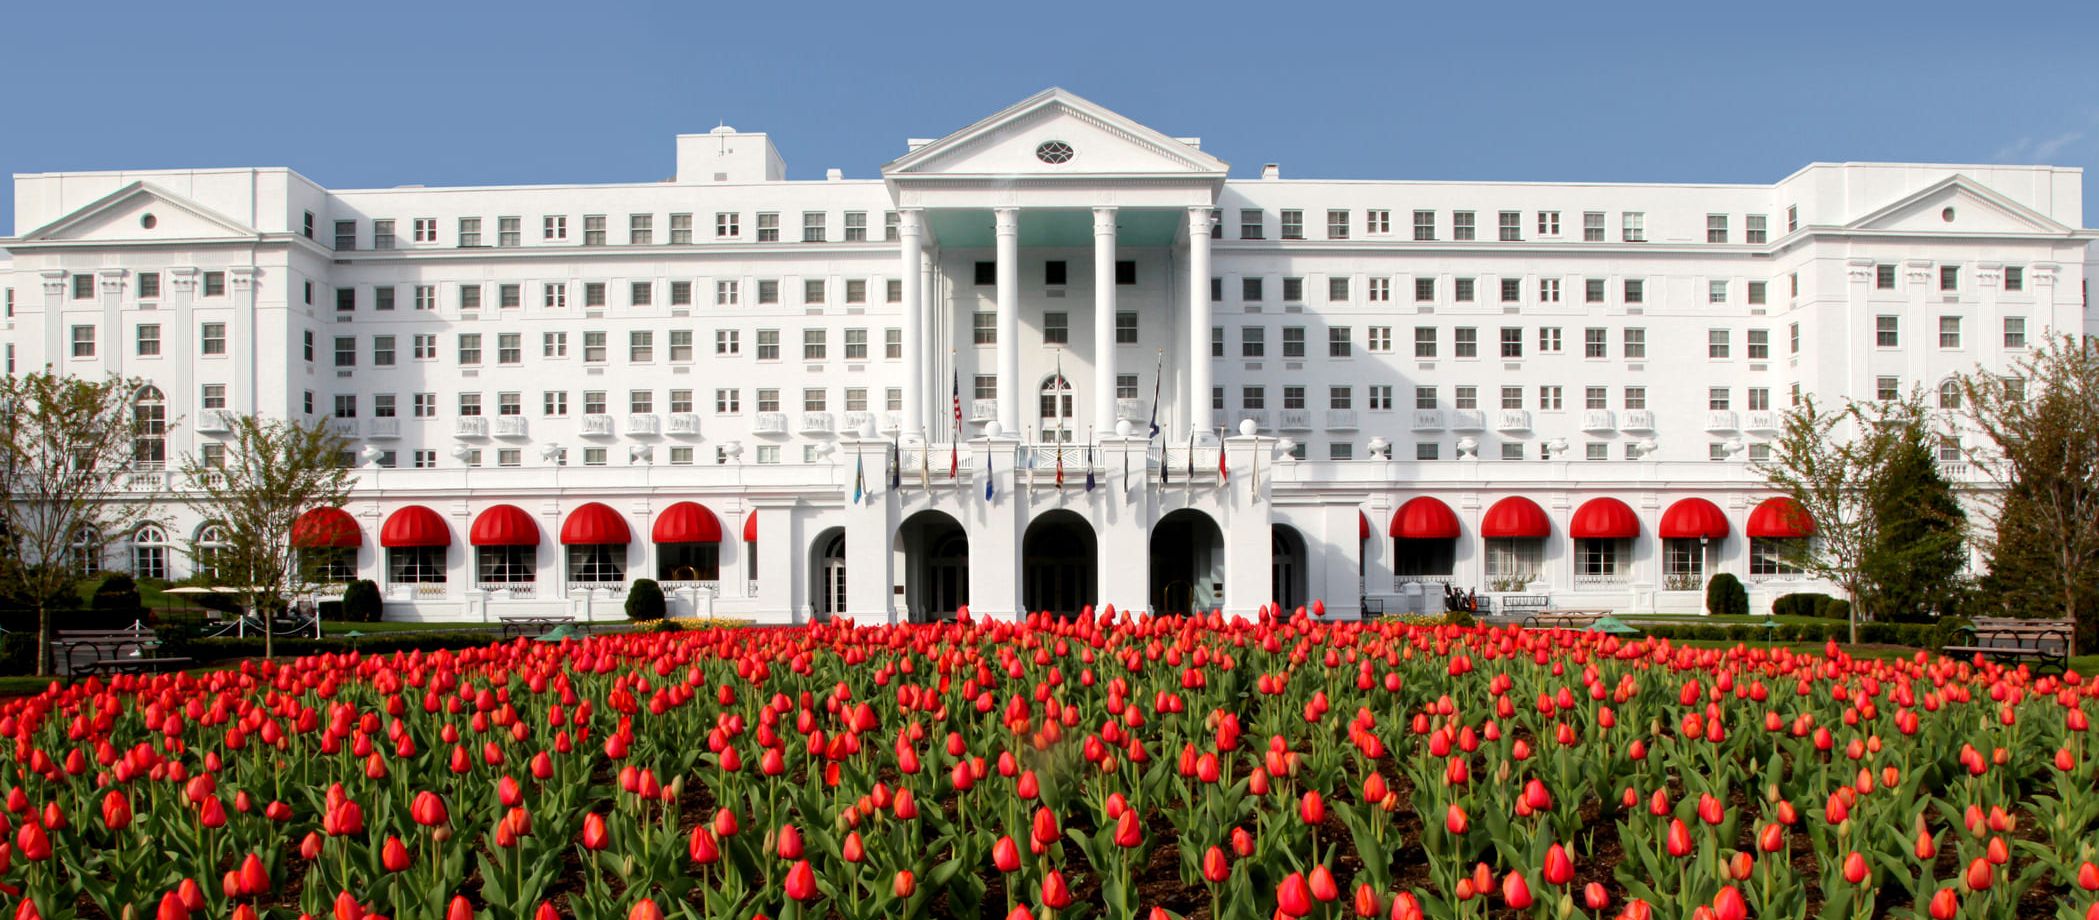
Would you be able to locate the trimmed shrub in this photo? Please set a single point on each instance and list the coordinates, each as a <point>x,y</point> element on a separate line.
<point>1837,609</point>
<point>1724,595</point>
<point>118,595</point>
<point>18,653</point>
<point>361,602</point>
<point>645,600</point>
<point>1800,604</point>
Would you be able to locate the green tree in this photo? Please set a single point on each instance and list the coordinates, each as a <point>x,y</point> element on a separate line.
<point>1913,560</point>
<point>2041,446</point>
<point>274,471</point>
<point>67,451</point>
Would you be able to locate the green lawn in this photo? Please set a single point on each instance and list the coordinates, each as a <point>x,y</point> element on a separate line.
<point>373,629</point>
<point>1695,619</point>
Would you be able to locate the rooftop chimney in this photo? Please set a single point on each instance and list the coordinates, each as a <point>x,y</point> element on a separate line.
<point>1272,172</point>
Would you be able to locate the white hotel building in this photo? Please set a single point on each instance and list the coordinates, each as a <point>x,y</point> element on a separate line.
<point>553,390</point>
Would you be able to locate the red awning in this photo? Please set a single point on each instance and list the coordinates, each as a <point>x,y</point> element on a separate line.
<point>1692,518</point>
<point>595,525</point>
<point>687,522</point>
<point>326,528</point>
<point>1362,526</point>
<point>1515,516</point>
<point>1604,519</point>
<point>1780,517</point>
<point>1424,518</point>
<point>750,527</point>
<point>504,525</point>
<point>414,525</point>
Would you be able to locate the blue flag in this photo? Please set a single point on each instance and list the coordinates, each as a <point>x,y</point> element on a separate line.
<point>1089,467</point>
<point>859,476</point>
<point>1158,374</point>
<point>987,472</point>
<point>896,464</point>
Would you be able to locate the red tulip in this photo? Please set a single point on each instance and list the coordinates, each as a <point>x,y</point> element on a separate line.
<point>1979,876</point>
<point>1312,809</point>
<point>254,879</point>
<point>1005,855</point>
<point>116,810</point>
<point>1678,839</point>
<point>595,835</point>
<point>789,845</point>
<point>1045,827</point>
<point>702,847</point>
<point>801,881</point>
<point>428,809</point>
<point>1516,890</point>
<point>1293,897</point>
<point>459,909</point>
<point>1321,883</point>
<point>393,855</point>
<point>1455,820</point>
<point>645,909</point>
<point>1366,901</point>
<point>853,850</point>
<point>1729,905</point>
<point>32,842</point>
<point>171,908</point>
<point>1406,907</point>
<point>2088,877</point>
<point>1559,867</point>
<point>1770,838</point>
<point>1055,894</point>
<point>1128,833</point>
<point>1535,796</point>
<point>546,911</point>
<point>1595,896</point>
<point>1215,869</point>
<point>904,884</point>
<point>724,823</point>
<point>1945,904</point>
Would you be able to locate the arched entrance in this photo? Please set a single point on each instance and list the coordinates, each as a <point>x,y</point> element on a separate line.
<point>1055,397</point>
<point>827,574</point>
<point>1057,564</point>
<point>933,552</point>
<point>1187,563</point>
<point>1286,566</point>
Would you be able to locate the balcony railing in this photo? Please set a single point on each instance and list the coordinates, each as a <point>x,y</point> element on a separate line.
<point>647,424</point>
<point>1258,416</point>
<point>704,587</point>
<point>1955,470</point>
<point>1601,578</point>
<point>1468,420</point>
<point>1340,419</point>
<point>856,422</point>
<point>1294,420</point>
<point>214,421</point>
<point>511,426</point>
<point>343,427</point>
<point>983,410</point>
<point>1599,420</point>
<point>1512,420</point>
<point>1720,420</point>
<point>769,423</point>
<point>515,590</point>
<point>470,426</point>
<point>1428,420</point>
<point>597,425</point>
<point>1764,421</point>
<point>1637,420</point>
<point>817,423</point>
<point>683,423</point>
<point>1131,409</point>
<point>145,480</point>
<point>417,591</point>
<point>616,589</point>
<point>384,428</point>
<point>1401,581</point>
<point>210,479</point>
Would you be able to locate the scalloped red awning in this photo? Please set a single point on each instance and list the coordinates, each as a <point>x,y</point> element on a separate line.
<point>750,527</point>
<point>1780,518</point>
<point>595,525</point>
<point>1516,517</point>
<point>504,525</point>
<point>1424,518</point>
<point>1692,518</point>
<point>1604,519</point>
<point>414,526</point>
<point>1362,526</point>
<point>687,522</point>
<point>326,528</point>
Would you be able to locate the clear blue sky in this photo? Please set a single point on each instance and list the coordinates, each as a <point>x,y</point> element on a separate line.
<point>439,93</point>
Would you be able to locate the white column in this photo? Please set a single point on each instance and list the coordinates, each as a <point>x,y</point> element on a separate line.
<point>911,233</point>
<point>1198,319</point>
<point>1007,229</point>
<point>936,383</point>
<point>1104,320</point>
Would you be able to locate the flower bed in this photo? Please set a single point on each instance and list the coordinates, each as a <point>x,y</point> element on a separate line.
<point>1092,767</point>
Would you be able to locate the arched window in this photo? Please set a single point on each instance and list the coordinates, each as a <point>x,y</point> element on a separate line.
<point>1950,395</point>
<point>149,552</point>
<point>149,428</point>
<point>1056,400</point>
<point>212,543</point>
<point>86,553</point>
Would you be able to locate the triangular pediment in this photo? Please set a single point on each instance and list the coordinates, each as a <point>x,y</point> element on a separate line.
<point>121,216</point>
<point>1098,142</point>
<point>1975,209</point>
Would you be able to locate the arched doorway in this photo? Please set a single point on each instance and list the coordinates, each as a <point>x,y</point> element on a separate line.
<point>1057,564</point>
<point>934,558</point>
<point>1187,563</point>
<point>1286,566</point>
<point>1056,405</point>
<point>827,574</point>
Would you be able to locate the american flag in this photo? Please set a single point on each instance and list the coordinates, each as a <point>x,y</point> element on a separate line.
<point>954,448</point>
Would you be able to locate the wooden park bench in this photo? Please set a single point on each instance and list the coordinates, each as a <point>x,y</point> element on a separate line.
<point>2016,639</point>
<point>77,650</point>
<point>1520,605</point>
<point>137,665</point>
<point>1563,619</point>
<point>532,625</point>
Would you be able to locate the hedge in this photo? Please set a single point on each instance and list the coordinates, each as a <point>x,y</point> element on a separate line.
<point>229,648</point>
<point>1928,636</point>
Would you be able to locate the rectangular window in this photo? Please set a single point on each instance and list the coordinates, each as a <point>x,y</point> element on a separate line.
<point>1216,341</point>
<point>1716,344</point>
<point>1253,341</point>
<point>1378,339</point>
<point>1792,218</point>
<point>1716,291</point>
<point>1716,228</point>
<point>641,294</point>
<point>768,226</point>
<point>1377,220</point>
<point>1424,225</point>
<point>1511,290</point>
<point>1512,397</point>
<point>1949,278</point>
<point>1424,290</point>
<point>1549,290</point>
<point>1758,294</point>
<point>1549,340</point>
<point>1596,343</point>
<point>1379,397</point>
<point>1293,224</point>
<point>148,340</point>
<point>641,346</point>
<point>1759,399</point>
<point>984,328</point>
<point>1253,398</point>
<point>2014,278</point>
<point>681,345</point>
<point>1635,344</point>
<point>856,226</point>
<point>1887,331</point>
<point>1635,398</point>
<point>814,344</point>
<point>1424,397</point>
<point>553,227</point>
<point>1125,386</point>
<point>892,226</point>
<point>1596,397</point>
<point>1250,224</point>
<point>813,226</point>
<point>1793,338</point>
<point>1056,328</point>
<point>469,232</point>
<point>1511,226</point>
<point>985,387</point>
<point>594,294</point>
<point>383,351</point>
<point>345,405</point>
<point>1511,342</point>
<point>1379,290</point>
<point>346,351</point>
<point>470,348</point>
<point>1548,223</point>
<point>1336,225</point>
<point>1465,397</point>
<point>1949,332</point>
<point>383,298</point>
<point>1592,226</point>
<point>768,345</point>
<point>346,235</point>
<point>425,229</point>
<point>211,339</point>
<point>382,234</point>
<point>1887,389</point>
<point>1337,289</point>
<point>1338,344</point>
<point>1635,290</point>
<point>1464,342</point>
<point>1465,290</point>
<point>1462,226</point>
<point>594,402</point>
<point>856,344</point>
<point>594,347</point>
<point>554,296</point>
<point>1759,344</point>
<point>214,284</point>
<point>1126,328</point>
<point>593,229</point>
<point>469,297</point>
<point>728,342</point>
<point>1550,398</point>
<point>1753,229</point>
<point>1716,399</point>
<point>214,396</point>
<point>1293,290</point>
<point>424,345</point>
<point>1592,290</point>
<point>1293,341</point>
<point>149,285</point>
<point>2015,332</point>
<point>725,293</point>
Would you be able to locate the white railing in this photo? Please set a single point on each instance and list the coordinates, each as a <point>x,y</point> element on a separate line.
<point>1601,578</point>
<point>1637,420</point>
<point>1428,420</point>
<point>145,480</point>
<point>893,422</point>
<point>1720,420</point>
<point>1468,420</point>
<point>599,425</point>
<point>983,410</point>
<point>208,480</point>
<point>1341,419</point>
<point>1176,459</point>
<point>817,423</point>
<point>512,590</point>
<point>1294,420</point>
<point>644,423</point>
<point>769,423</point>
<point>704,587</point>
<point>417,591</point>
<point>470,426</point>
<point>1954,470</point>
<point>1130,409</point>
<point>1512,420</point>
<point>214,421</point>
<point>343,427</point>
<point>1258,416</point>
<point>1401,581</point>
<point>687,423</point>
<point>384,428</point>
<point>1598,420</point>
<point>857,422</point>
<point>511,426</point>
<point>1764,420</point>
<point>612,588</point>
<point>935,458</point>
<point>1045,460</point>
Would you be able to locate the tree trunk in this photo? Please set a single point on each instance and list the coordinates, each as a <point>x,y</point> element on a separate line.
<point>43,639</point>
